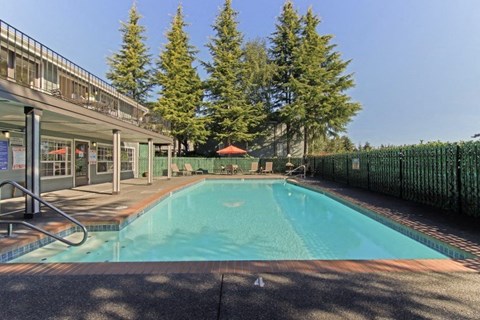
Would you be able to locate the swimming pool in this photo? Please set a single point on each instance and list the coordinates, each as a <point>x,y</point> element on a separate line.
<point>243,220</point>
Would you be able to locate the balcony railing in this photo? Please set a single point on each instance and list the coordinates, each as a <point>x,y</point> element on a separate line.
<point>30,63</point>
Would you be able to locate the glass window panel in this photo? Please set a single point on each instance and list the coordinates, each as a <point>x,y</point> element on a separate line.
<point>55,157</point>
<point>3,62</point>
<point>104,158</point>
<point>127,159</point>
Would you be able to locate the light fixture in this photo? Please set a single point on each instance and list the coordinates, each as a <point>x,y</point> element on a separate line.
<point>6,134</point>
<point>94,144</point>
<point>289,165</point>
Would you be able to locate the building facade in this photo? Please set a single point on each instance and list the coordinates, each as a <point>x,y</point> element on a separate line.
<point>61,126</point>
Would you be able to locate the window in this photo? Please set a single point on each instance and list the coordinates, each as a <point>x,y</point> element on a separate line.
<point>50,76</point>
<point>25,71</point>
<point>105,159</point>
<point>56,157</point>
<point>127,159</point>
<point>3,62</point>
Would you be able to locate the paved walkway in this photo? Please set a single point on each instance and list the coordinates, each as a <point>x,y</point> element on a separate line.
<point>289,296</point>
<point>219,290</point>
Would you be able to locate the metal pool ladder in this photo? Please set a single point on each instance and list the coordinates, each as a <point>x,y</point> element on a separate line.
<point>298,173</point>
<point>10,223</point>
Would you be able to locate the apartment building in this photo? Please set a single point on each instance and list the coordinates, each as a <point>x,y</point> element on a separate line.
<point>63,127</point>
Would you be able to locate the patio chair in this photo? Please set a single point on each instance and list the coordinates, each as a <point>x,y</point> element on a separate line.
<point>268,167</point>
<point>189,169</point>
<point>253,168</point>
<point>175,170</point>
<point>221,170</point>
<point>229,169</point>
<point>237,169</point>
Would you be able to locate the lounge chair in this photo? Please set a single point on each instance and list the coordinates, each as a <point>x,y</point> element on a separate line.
<point>189,169</point>
<point>268,167</point>
<point>253,168</point>
<point>175,170</point>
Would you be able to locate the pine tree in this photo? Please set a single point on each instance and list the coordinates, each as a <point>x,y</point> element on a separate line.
<point>347,143</point>
<point>322,105</point>
<point>285,40</point>
<point>333,144</point>
<point>367,146</point>
<point>129,68</point>
<point>258,75</point>
<point>181,93</point>
<point>232,118</point>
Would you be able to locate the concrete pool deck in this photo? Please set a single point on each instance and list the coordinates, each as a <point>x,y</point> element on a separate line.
<point>292,296</point>
<point>409,289</point>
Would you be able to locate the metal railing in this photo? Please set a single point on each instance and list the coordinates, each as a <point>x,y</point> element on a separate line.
<point>300,171</point>
<point>10,223</point>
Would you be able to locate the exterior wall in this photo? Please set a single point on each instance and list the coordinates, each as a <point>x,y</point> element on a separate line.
<point>274,144</point>
<point>53,184</point>
<point>56,183</point>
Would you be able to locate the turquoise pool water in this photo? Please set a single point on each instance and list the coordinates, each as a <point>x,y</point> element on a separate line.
<point>243,220</point>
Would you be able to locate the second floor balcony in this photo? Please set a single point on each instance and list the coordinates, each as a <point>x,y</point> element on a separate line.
<point>29,63</point>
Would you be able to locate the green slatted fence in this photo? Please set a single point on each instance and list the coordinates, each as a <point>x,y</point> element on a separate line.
<point>443,175</point>
<point>210,165</point>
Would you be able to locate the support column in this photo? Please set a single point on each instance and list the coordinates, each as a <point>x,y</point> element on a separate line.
<point>32,160</point>
<point>150,161</point>
<point>116,162</point>
<point>169,162</point>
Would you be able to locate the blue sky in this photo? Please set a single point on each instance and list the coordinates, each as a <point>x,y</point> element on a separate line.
<point>416,62</point>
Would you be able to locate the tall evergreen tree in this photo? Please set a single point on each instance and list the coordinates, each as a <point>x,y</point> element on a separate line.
<point>258,75</point>
<point>181,93</point>
<point>130,67</point>
<point>322,105</point>
<point>232,118</point>
<point>335,144</point>
<point>285,40</point>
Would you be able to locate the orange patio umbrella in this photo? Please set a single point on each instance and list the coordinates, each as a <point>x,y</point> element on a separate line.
<point>63,151</point>
<point>231,150</point>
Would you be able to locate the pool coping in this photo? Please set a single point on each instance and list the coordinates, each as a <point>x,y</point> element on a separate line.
<point>130,214</point>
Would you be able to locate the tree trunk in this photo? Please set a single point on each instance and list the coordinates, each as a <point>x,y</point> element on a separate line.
<point>179,152</point>
<point>305,141</point>
<point>174,148</point>
<point>185,146</point>
<point>288,138</point>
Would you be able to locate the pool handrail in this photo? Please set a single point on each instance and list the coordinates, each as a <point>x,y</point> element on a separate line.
<point>31,226</point>
<point>302,175</point>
